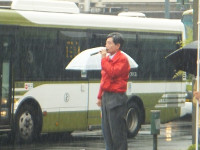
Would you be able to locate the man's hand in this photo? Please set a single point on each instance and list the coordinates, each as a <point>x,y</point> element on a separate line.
<point>99,102</point>
<point>103,53</point>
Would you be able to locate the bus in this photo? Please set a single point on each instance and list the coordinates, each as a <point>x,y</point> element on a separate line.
<point>187,19</point>
<point>37,41</point>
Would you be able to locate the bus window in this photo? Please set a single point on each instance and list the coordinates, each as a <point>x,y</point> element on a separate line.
<point>40,48</point>
<point>153,48</point>
<point>31,54</point>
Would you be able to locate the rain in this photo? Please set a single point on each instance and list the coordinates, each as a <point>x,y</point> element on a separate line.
<point>50,72</point>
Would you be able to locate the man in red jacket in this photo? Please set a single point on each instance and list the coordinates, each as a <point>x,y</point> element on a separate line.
<point>112,93</point>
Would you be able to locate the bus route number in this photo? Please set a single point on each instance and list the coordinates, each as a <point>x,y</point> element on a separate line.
<point>133,74</point>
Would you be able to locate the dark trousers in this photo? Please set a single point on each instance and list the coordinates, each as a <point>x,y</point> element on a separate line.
<point>114,127</point>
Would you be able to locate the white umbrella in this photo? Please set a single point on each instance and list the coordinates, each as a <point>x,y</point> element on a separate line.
<point>86,61</point>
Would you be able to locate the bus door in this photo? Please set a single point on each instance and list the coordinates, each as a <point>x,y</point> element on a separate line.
<point>5,86</point>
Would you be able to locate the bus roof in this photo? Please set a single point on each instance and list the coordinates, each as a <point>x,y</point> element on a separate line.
<point>132,14</point>
<point>188,12</point>
<point>89,21</point>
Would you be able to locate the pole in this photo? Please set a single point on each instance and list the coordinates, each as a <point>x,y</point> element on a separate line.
<point>195,37</point>
<point>155,126</point>
<point>167,6</point>
<point>87,6</point>
<point>198,65</point>
<point>155,142</point>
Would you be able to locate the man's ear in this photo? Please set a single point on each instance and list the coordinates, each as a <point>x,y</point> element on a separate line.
<point>118,45</point>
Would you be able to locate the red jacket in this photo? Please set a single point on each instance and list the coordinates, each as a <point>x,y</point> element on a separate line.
<point>114,74</point>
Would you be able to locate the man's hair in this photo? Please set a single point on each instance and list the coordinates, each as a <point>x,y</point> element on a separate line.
<point>117,38</point>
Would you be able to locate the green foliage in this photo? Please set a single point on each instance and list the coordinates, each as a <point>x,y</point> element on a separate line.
<point>189,37</point>
<point>193,147</point>
<point>178,74</point>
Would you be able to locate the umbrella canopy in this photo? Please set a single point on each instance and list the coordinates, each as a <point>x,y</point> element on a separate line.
<point>86,61</point>
<point>185,58</point>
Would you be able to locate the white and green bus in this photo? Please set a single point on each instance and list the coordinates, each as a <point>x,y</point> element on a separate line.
<point>38,95</point>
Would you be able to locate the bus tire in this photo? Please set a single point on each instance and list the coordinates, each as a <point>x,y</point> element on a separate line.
<point>133,119</point>
<point>27,125</point>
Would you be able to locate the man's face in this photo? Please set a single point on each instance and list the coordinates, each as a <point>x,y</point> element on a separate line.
<point>111,47</point>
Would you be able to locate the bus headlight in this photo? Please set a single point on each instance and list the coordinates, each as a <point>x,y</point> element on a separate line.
<point>4,113</point>
<point>4,101</point>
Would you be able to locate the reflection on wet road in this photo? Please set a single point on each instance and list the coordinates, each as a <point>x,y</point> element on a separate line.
<point>176,135</point>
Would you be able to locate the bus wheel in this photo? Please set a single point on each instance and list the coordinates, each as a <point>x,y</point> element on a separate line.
<point>26,129</point>
<point>133,119</point>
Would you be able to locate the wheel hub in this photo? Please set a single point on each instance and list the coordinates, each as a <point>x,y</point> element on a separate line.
<point>132,119</point>
<point>26,125</point>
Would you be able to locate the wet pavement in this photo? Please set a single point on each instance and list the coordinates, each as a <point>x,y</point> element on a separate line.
<point>176,135</point>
